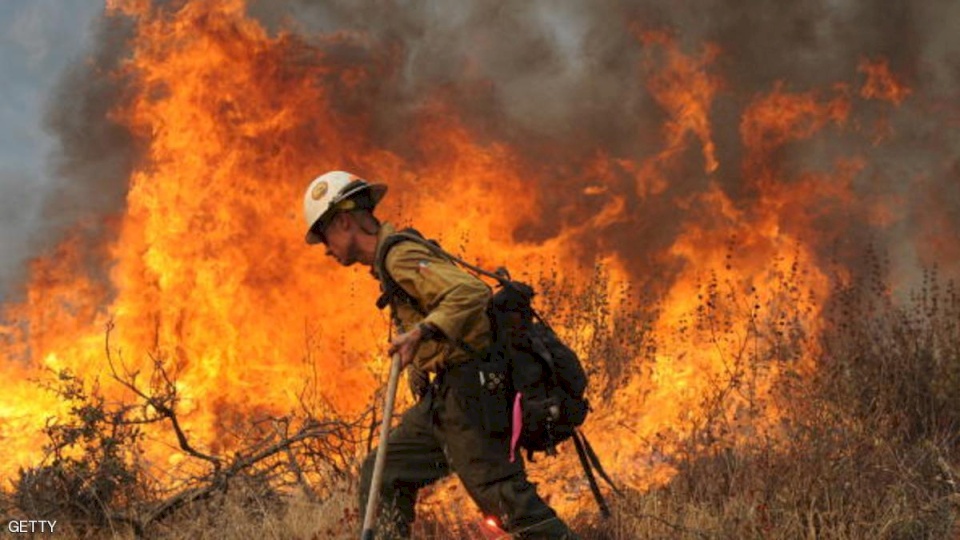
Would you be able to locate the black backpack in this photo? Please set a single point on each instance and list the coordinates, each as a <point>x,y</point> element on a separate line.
<point>544,373</point>
<point>542,377</point>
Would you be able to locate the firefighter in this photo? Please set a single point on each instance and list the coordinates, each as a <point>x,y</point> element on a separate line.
<point>443,432</point>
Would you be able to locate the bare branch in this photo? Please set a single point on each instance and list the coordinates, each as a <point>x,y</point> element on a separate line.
<point>163,403</point>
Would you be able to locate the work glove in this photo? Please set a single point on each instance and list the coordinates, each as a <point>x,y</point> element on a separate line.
<point>419,381</point>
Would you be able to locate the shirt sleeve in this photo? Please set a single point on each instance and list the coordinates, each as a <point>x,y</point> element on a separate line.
<point>450,296</point>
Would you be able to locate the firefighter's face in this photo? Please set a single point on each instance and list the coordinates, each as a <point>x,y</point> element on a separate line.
<point>340,238</point>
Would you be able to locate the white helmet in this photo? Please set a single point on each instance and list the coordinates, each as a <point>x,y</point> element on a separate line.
<point>336,191</point>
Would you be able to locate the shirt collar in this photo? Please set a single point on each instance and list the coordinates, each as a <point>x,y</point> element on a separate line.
<point>386,229</point>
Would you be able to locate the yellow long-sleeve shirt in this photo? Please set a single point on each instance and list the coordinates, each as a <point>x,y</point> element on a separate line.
<point>454,301</point>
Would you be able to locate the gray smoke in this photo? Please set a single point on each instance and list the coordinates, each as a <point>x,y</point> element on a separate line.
<point>65,163</point>
<point>95,156</point>
<point>33,50</point>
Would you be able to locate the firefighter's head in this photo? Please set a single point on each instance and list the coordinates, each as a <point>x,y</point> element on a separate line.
<point>338,209</point>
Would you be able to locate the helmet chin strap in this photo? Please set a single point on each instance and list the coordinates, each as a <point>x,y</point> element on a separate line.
<point>365,220</point>
<point>365,234</point>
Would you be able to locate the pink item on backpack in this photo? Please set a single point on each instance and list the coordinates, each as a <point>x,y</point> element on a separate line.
<point>517,425</point>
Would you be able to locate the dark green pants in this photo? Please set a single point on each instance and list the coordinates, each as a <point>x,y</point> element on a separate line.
<point>442,434</point>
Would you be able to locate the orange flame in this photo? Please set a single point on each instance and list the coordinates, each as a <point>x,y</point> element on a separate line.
<point>880,83</point>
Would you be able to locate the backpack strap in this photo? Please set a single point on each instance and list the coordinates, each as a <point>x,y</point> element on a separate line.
<point>590,462</point>
<point>500,274</point>
<point>392,292</point>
